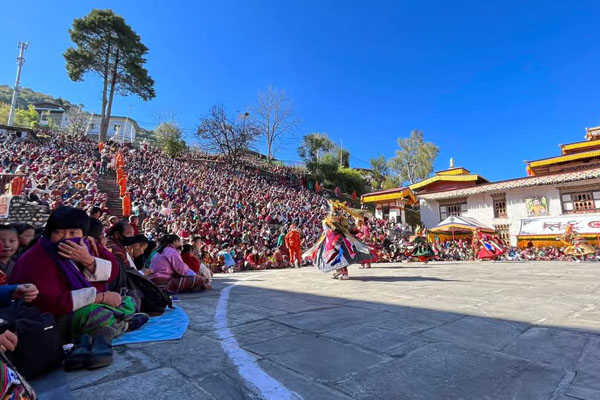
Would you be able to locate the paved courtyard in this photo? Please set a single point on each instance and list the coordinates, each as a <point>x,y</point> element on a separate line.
<point>395,331</point>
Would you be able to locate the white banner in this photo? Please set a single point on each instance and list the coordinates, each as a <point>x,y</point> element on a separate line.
<point>4,205</point>
<point>582,223</point>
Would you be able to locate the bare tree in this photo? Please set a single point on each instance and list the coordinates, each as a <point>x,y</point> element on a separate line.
<point>224,135</point>
<point>77,121</point>
<point>275,116</point>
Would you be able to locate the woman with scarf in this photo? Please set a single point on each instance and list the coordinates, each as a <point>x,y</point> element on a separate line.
<point>71,276</point>
<point>170,272</point>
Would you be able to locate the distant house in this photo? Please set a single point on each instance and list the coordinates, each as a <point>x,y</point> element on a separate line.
<point>51,111</point>
<point>119,128</point>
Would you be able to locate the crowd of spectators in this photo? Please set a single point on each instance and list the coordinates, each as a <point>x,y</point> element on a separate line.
<point>186,219</point>
<point>56,171</point>
<point>239,213</point>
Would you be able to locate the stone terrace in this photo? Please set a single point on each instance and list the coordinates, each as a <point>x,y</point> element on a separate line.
<point>395,331</point>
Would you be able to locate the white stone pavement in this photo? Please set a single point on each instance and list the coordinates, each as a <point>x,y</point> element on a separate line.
<point>395,331</point>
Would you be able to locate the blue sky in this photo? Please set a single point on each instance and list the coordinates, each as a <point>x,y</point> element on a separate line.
<point>491,83</point>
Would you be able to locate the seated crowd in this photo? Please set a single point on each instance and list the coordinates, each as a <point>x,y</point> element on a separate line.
<point>190,219</point>
<point>99,275</point>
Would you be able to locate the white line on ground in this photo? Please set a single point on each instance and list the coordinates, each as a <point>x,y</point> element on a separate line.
<point>246,364</point>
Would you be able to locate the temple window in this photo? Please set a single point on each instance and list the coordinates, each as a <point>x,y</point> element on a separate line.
<point>578,202</point>
<point>500,206</point>
<point>456,209</point>
<point>503,232</point>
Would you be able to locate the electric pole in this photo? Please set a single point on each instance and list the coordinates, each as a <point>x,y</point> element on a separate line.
<point>341,153</point>
<point>20,61</point>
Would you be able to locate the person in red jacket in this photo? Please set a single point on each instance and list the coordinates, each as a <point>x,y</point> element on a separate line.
<point>292,242</point>
<point>189,258</point>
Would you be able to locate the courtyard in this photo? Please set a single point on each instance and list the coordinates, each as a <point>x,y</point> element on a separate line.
<point>479,330</point>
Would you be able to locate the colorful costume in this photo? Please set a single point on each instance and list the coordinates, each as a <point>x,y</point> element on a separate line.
<point>292,242</point>
<point>486,247</point>
<point>576,245</point>
<point>421,247</point>
<point>337,248</point>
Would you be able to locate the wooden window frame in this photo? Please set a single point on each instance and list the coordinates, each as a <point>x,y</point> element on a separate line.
<point>503,231</point>
<point>462,208</point>
<point>499,206</point>
<point>570,205</point>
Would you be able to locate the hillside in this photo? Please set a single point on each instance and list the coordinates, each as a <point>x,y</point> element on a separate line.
<point>28,96</point>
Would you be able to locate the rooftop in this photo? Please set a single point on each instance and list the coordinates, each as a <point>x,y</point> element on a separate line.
<point>574,176</point>
<point>390,194</point>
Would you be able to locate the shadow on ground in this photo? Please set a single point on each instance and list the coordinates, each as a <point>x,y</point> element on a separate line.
<point>398,279</point>
<point>341,345</point>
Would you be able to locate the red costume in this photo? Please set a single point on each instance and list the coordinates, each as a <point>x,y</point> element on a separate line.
<point>293,242</point>
<point>487,247</point>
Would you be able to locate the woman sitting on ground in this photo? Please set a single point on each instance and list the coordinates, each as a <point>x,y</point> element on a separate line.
<point>72,286</point>
<point>188,257</point>
<point>170,272</point>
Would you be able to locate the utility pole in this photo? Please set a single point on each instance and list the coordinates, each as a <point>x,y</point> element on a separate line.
<point>341,153</point>
<point>20,61</point>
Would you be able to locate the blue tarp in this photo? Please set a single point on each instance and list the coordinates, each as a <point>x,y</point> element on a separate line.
<point>169,326</point>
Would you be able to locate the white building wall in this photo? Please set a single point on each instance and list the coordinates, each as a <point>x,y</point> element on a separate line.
<point>430,213</point>
<point>480,207</point>
<point>126,128</point>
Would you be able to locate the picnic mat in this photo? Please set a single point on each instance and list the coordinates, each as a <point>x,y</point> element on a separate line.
<point>169,326</point>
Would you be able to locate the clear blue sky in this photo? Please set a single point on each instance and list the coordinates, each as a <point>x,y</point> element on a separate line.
<point>491,83</point>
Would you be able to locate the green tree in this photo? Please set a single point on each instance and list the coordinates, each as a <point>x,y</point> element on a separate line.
<point>390,182</point>
<point>350,180</point>
<point>4,111</point>
<point>107,46</point>
<point>313,147</point>
<point>414,160</point>
<point>381,170</point>
<point>27,118</point>
<point>344,155</point>
<point>169,139</point>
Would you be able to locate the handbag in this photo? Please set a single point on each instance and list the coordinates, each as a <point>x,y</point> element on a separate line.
<point>152,299</point>
<point>39,348</point>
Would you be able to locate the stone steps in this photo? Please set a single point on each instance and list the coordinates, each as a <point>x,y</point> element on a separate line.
<point>107,183</point>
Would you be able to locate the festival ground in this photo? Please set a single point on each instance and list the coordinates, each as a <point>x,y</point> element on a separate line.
<point>480,330</point>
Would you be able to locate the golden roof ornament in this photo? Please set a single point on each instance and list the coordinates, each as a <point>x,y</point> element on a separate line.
<point>592,133</point>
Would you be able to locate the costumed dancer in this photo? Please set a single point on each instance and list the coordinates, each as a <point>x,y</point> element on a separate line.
<point>576,245</point>
<point>293,242</point>
<point>337,248</point>
<point>486,247</point>
<point>421,247</point>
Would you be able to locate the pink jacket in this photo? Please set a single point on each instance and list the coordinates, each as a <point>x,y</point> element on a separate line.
<point>169,264</point>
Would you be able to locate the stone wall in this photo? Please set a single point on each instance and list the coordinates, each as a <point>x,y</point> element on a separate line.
<point>22,211</point>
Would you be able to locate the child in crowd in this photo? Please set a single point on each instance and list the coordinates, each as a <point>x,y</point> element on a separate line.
<point>9,244</point>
